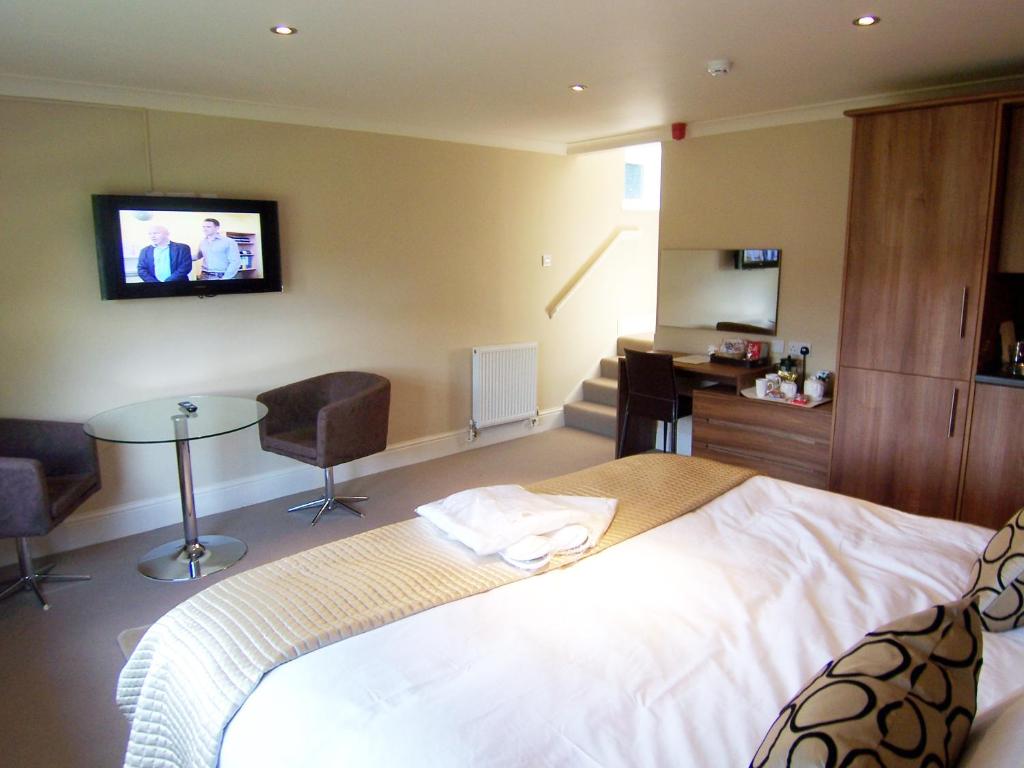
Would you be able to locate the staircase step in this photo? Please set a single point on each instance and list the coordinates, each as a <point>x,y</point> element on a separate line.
<point>640,342</point>
<point>610,368</point>
<point>604,391</point>
<point>591,417</point>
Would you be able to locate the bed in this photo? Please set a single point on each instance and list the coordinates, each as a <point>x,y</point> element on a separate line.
<point>677,646</point>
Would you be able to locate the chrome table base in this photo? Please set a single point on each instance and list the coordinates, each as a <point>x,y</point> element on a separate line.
<point>174,561</point>
<point>191,557</point>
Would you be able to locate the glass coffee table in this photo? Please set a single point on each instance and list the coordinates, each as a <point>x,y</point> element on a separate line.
<point>180,420</point>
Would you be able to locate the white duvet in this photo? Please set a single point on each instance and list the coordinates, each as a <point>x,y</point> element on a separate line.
<point>675,648</point>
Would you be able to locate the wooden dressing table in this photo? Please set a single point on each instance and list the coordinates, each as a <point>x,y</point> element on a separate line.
<point>689,377</point>
<point>781,441</point>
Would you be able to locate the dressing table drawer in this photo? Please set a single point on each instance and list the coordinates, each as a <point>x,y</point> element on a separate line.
<point>782,441</point>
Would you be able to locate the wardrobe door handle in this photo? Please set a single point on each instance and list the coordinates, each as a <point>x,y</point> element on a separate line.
<point>963,314</point>
<point>952,411</point>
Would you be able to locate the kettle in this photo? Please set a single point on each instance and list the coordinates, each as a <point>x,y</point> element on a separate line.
<point>787,369</point>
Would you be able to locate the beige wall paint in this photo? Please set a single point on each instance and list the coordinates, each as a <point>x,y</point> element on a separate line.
<point>399,255</point>
<point>782,187</point>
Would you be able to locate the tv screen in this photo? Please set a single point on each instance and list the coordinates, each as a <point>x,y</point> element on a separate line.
<point>758,258</point>
<point>153,246</point>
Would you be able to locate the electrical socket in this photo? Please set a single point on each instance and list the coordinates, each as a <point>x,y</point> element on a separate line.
<point>794,348</point>
<point>545,260</point>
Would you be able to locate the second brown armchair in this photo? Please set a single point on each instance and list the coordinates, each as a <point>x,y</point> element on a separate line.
<point>47,469</point>
<point>325,421</point>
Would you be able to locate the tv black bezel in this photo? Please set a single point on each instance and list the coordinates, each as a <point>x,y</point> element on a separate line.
<point>110,253</point>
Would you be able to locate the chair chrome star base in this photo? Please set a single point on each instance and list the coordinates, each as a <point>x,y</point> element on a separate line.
<point>30,577</point>
<point>329,501</point>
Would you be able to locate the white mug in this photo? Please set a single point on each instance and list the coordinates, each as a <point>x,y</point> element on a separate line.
<point>762,387</point>
<point>814,389</point>
<point>789,388</point>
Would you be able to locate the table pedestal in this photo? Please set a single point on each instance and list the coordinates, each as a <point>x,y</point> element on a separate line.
<point>191,558</point>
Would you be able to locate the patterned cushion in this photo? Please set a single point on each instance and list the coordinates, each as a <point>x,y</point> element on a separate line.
<point>997,579</point>
<point>905,695</point>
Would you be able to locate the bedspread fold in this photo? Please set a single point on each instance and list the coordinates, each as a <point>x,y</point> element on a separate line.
<point>195,667</point>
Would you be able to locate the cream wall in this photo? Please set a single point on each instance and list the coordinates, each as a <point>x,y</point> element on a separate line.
<point>399,255</point>
<point>783,187</point>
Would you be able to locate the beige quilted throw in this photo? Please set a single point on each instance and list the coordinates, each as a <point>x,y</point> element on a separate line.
<point>195,667</point>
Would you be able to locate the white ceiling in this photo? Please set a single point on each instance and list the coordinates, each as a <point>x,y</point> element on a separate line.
<point>495,72</point>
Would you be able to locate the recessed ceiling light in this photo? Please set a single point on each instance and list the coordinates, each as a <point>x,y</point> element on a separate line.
<point>283,29</point>
<point>866,21</point>
<point>577,87</point>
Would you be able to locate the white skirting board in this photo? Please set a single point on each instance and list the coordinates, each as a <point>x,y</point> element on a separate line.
<point>97,525</point>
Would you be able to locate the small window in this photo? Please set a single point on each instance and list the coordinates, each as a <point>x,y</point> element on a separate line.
<point>634,182</point>
<point>641,189</point>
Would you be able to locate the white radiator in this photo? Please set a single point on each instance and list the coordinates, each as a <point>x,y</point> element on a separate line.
<point>504,384</point>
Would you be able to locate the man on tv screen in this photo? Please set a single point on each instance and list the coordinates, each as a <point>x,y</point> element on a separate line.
<point>219,253</point>
<point>164,261</point>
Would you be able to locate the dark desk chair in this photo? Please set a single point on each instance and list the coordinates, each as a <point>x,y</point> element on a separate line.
<point>47,469</point>
<point>653,394</point>
<point>328,420</point>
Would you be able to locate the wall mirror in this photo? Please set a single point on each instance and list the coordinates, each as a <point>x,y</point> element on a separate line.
<point>724,290</point>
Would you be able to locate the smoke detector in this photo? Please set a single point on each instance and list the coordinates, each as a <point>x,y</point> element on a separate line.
<point>719,67</point>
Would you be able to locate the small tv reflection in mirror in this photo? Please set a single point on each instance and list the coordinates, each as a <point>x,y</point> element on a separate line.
<point>757,258</point>
<point>152,246</point>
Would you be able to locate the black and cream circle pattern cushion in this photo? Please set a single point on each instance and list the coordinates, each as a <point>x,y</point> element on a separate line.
<point>997,578</point>
<point>905,695</point>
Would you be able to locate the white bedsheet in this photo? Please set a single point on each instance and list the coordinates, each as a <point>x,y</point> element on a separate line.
<point>677,647</point>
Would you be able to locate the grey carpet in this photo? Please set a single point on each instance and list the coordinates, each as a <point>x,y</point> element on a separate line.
<point>59,668</point>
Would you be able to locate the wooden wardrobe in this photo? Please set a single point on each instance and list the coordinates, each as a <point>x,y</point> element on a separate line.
<point>926,197</point>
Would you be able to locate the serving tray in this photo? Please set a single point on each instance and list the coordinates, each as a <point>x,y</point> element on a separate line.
<point>751,392</point>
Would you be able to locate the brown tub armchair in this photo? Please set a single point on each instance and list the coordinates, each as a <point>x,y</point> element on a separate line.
<point>328,420</point>
<point>47,469</point>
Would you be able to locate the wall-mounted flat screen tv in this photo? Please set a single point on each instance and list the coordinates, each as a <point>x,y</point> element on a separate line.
<point>757,258</point>
<point>151,246</point>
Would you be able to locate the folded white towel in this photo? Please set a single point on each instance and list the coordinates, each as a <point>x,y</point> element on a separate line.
<point>493,519</point>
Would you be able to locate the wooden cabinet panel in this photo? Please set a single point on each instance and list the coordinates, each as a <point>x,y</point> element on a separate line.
<point>752,439</point>
<point>919,208</point>
<point>814,423</point>
<point>814,478</point>
<point>1011,250</point>
<point>994,483</point>
<point>894,444</point>
<point>781,441</point>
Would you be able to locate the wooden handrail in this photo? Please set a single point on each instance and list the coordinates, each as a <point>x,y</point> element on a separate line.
<point>622,233</point>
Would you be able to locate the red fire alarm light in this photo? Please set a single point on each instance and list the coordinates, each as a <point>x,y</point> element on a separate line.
<point>678,131</point>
